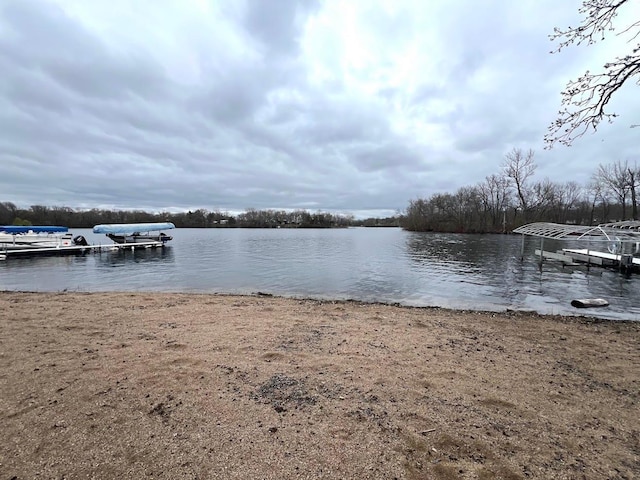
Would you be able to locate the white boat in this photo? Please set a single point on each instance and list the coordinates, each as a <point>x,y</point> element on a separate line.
<point>145,234</point>
<point>14,237</point>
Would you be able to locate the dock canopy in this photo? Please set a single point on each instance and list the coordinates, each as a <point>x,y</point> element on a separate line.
<point>129,228</point>
<point>628,231</point>
<point>32,229</point>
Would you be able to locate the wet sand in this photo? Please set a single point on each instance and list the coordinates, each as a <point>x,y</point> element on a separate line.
<point>121,385</point>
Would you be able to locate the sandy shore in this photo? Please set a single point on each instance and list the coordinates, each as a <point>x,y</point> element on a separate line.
<point>119,385</point>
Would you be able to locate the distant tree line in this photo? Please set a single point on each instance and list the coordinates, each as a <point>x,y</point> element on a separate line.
<point>201,218</point>
<point>513,197</point>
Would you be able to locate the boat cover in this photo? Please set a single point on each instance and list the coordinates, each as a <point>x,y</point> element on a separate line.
<point>129,228</point>
<point>32,228</point>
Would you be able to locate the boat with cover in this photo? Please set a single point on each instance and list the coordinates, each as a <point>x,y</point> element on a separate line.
<point>15,237</point>
<point>148,234</point>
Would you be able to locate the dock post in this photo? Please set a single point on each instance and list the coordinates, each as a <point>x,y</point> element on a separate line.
<point>541,252</point>
<point>522,249</point>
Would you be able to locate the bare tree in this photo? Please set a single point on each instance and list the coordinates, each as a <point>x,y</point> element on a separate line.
<point>615,177</point>
<point>566,197</point>
<point>519,167</point>
<point>584,100</point>
<point>7,213</point>
<point>633,176</point>
<point>543,198</point>
<point>494,195</point>
<point>468,205</point>
<point>595,194</point>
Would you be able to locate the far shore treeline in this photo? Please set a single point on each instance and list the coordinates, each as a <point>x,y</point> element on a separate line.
<point>513,197</point>
<point>498,204</point>
<point>201,218</point>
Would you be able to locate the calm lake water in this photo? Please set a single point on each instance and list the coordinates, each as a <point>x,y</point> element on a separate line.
<point>479,272</point>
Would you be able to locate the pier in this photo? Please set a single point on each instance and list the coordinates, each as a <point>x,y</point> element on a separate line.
<point>613,245</point>
<point>77,249</point>
<point>582,256</point>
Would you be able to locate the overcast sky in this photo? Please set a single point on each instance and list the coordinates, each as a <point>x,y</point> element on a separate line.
<point>337,105</point>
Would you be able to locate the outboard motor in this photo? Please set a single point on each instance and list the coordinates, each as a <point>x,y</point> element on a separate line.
<point>81,241</point>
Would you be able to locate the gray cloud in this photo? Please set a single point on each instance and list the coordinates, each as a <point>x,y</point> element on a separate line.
<point>278,25</point>
<point>287,104</point>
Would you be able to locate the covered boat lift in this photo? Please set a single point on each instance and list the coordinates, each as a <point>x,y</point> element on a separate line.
<point>617,243</point>
<point>134,242</point>
<point>136,233</point>
<point>130,228</point>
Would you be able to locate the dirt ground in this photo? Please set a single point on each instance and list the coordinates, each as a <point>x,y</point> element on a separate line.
<point>120,385</point>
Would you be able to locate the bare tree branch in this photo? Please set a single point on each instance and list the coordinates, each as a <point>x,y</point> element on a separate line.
<point>599,15</point>
<point>584,100</point>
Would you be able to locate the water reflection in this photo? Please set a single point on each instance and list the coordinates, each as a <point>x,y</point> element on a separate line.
<point>22,262</point>
<point>388,265</point>
<point>121,257</point>
<point>496,269</point>
<point>466,251</point>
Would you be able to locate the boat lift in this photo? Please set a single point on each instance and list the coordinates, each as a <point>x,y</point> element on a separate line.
<point>126,236</point>
<point>621,240</point>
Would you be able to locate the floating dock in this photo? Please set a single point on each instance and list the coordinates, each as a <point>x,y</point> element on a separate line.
<point>77,249</point>
<point>575,257</point>
<point>605,259</point>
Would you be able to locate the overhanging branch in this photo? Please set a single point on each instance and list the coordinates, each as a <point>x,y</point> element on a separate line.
<point>584,100</point>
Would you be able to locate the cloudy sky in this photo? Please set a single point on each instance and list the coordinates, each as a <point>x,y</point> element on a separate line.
<point>353,106</point>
